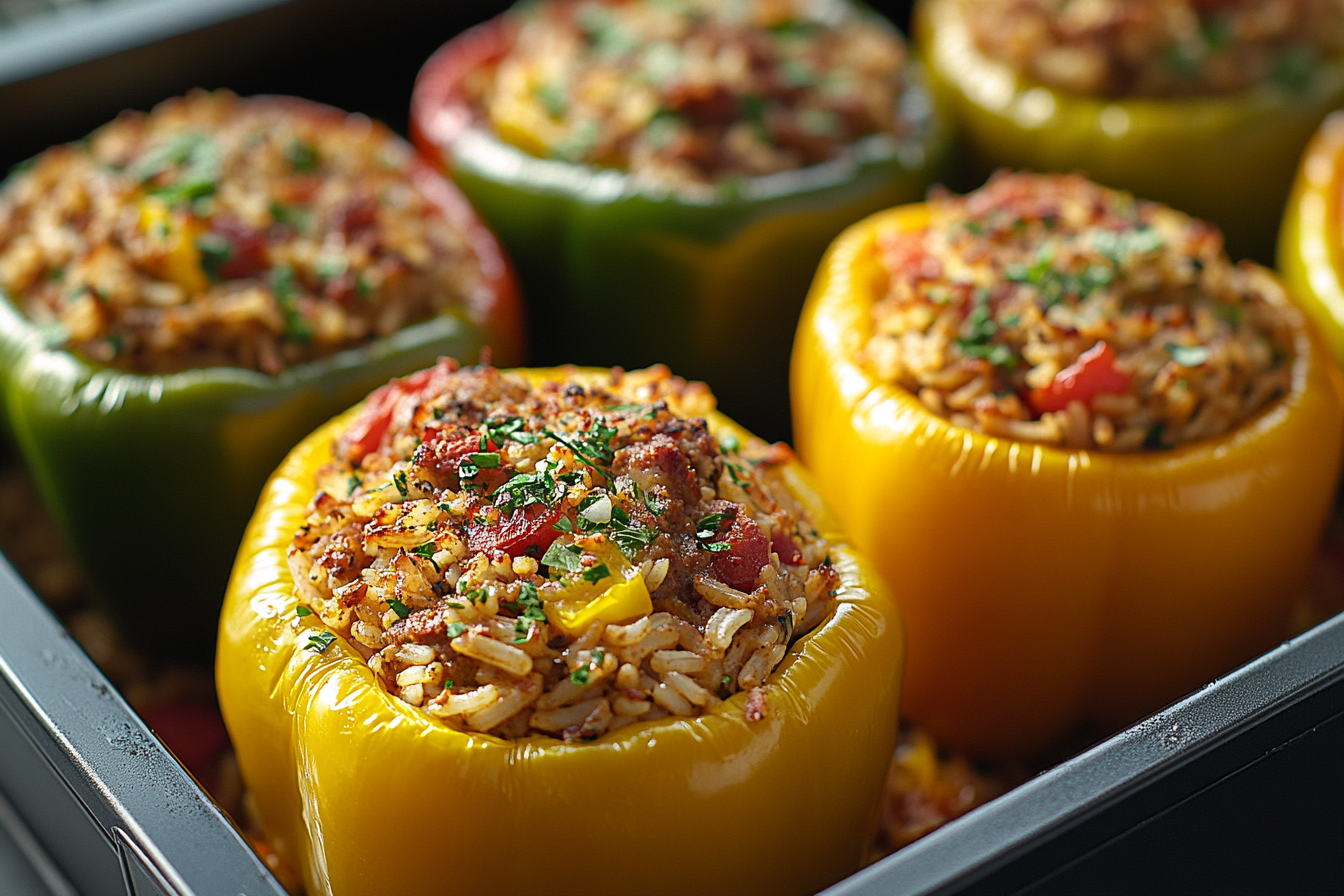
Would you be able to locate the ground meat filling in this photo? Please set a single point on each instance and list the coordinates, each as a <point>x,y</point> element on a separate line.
<point>1159,48</point>
<point>1045,308</point>
<point>694,92</point>
<point>216,231</point>
<point>559,559</point>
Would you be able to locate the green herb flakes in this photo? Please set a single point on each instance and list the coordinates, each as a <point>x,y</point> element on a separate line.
<point>318,642</point>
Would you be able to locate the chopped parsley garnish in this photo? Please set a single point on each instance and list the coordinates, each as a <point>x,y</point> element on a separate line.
<point>579,676</point>
<point>522,629</point>
<point>596,573</point>
<point>1188,355</point>
<point>301,156</point>
<point>198,158</point>
<point>453,629</point>
<point>215,253</point>
<point>285,291</point>
<point>302,612</point>
<point>526,489</point>
<point>979,329</point>
<point>726,680</point>
<point>290,216</point>
<point>318,642</point>
<point>736,473</point>
<point>486,460</point>
<point>426,550</point>
<point>352,483</point>
<point>398,607</point>
<point>708,526</point>
<point>592,446</point>
<point>399,480</point>
<point>498,431</point>
<point>707,529</point>
<point>729,443</point>
<point>558,556</point>
<point>552,98</point>
<point>528,604</point>
<point>630,539</point>
<point>1119,245</point>
<point>655,506</point>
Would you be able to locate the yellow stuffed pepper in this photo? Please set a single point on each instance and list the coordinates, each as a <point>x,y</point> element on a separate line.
<point>570,632</point>
<point>1205,106</point>
<point>1311,240</point>
<point>1095,454</point>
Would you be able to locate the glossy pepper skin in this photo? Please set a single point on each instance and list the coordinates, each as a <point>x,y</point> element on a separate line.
<point>1311,238</point>
<point>1226,159</point>
<point>152,478</point>
<point>318,738</point>
<point>1044,588</point>
<point>623,275</point>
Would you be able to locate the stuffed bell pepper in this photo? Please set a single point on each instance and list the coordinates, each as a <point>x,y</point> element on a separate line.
<point>558,602</point>
<point>667,175</point>
<point>1203,105</point>
<point>187,293</point>
<point>1096,455</point>
<point>1311,240</point>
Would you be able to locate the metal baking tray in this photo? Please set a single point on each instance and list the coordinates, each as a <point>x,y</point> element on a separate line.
<point>1236,789</point>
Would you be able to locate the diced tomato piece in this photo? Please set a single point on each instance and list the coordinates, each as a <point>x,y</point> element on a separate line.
<point>247,247</point>
<point>355,214</point>
<point>366,433</point>
<point>748,553</point>
<point>530,527</point>
<point>1092,374</point>
<point>783,545</point>
<point>193,731</point>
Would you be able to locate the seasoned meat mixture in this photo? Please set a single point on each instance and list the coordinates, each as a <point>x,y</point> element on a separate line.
<point>691,92</point>
<point>1049,309</point>
<point>1159,48</point>
<point>559,559</point>
<point>218,231</point>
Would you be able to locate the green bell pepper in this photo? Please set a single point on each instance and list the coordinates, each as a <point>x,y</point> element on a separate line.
<point>1227,159</point>
<point>619,274</point>
<point>153,477</point>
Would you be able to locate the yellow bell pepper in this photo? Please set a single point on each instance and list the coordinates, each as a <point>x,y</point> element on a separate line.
<point>1311,238</point>
<point>369,795</point>
<point>1044,588</point>
<point>1226,159</point>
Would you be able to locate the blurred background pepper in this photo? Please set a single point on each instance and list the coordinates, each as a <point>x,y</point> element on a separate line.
<point>1226,158</point>
<point>618,272</point>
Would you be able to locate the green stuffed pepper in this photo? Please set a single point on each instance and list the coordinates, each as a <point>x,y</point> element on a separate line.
<point>187,293</point>
<point>667,176</point>
<point>1202,104</point>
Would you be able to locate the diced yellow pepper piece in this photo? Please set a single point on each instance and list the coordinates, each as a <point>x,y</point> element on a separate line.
<point>619,603</point>
<point>173,237</point>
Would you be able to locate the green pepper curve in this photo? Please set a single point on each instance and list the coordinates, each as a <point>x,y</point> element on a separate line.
<point>619,274</point>
<point>152,478</point>
<point>1227,159</point>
